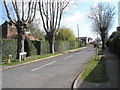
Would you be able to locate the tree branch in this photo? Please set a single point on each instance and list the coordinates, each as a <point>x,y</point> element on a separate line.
<point>40,9</point>
<point>22,10</point>
<point>8,13</point>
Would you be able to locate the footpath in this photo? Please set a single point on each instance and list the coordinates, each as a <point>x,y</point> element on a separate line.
<point>112,71</point>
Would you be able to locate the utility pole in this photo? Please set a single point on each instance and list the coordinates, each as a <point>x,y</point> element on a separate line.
<point>78,31</point>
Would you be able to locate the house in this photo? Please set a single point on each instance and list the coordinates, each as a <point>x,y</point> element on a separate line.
<point>85,39</point>
<point>9,30</point>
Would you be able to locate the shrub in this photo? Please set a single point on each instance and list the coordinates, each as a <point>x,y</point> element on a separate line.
<point>9,47</point>
<point>64,45</point>
<point>61,46</point>
<point>74,44</point>
<point>0,49</point>
<point>30,47</point>
<point>44,47</point>
<point>114,43</point>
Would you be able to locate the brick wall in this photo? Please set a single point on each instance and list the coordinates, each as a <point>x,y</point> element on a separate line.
<point>8,30</point>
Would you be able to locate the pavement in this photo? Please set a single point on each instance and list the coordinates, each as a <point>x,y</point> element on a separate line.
<point>112,71</point>
<point>55,72</point>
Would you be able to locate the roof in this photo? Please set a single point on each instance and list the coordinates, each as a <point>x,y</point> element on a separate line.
<point>12,31</point>
<point>30,36</point>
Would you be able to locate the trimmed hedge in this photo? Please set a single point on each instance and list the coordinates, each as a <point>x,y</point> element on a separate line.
<point>64,45</point>
<point>114,43</point>
<point>74,44</point>
<point>61,46</point>
<point>0,49</point>
<point>30,48</point>
<point>9,47</point>
<point>44,47</point>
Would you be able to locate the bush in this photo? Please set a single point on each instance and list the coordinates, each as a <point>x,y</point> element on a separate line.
<point>30,47</point>
<point>9,47</point>
<point>65,34</point>
<point>64,45</point>
<point>61,46</point>
<point>74,44</point>
<point>114,43</point>
<point>44,47</point>
<point>0,49</point>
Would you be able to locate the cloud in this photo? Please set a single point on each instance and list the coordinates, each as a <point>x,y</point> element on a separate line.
<point>73,18</point>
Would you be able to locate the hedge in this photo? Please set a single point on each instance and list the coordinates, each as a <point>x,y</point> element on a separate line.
<point>9,47</point>
<point>114,43</point>
<point>0,49</point>
<point>61,46</point>
<point>30,48</point>
<point>44,47</point>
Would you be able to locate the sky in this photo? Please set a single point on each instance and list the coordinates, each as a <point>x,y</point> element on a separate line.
<point>75,14</point>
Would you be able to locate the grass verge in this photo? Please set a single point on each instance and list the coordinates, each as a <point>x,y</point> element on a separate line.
<point>14,62</point>
<point>95,71</point>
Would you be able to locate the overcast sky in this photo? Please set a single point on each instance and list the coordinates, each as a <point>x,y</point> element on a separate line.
<point>76,14</point>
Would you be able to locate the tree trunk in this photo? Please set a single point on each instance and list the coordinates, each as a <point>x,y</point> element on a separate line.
<point>51,41</point>
<point>103,43</point>
<point>20,47</point>
<point>51,44</point>
<point>21,28</point>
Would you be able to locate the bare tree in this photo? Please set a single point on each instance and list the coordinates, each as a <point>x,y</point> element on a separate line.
<point>51,12</point>
<point>24,12</point>
<point>102,17</point>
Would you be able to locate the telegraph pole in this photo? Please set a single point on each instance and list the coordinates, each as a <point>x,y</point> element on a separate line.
<point>78,31</point>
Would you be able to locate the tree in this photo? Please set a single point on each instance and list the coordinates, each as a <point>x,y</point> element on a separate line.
<point>35,31</point>
<point>65,34</point>
<point>24,13</point>
<point>51,12</point>
<point>102,17</point>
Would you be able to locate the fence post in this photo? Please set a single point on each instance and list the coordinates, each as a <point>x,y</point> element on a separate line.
<point>9,58</point>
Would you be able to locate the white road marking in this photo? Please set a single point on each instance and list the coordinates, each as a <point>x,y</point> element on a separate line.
<point>79,52</point>
<point>83,48</point>
<point>0,69</point>
<point>43,66</point>
<point>68,57</point>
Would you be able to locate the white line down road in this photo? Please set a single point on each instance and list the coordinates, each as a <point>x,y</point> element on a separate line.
<point>79,52</point>
<point>56,72</point>
<point>44,66</point>
<point>68,57</point>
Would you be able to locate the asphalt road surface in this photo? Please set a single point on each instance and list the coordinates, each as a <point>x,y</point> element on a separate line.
<point>56,72</point>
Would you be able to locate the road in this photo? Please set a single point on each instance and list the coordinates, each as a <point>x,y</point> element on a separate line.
<point>56,72</point>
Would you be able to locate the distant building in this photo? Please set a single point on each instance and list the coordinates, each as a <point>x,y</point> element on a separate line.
<point>9,30</point>
<point>85,39</point>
